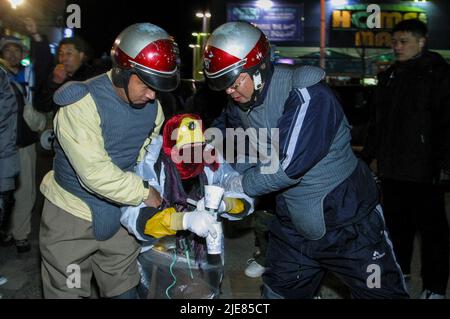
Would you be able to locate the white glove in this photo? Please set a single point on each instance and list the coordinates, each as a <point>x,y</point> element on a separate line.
<point>201,205</point>
<point>200,223</point>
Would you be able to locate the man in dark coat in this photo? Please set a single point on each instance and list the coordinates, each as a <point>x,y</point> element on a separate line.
<point>409,136</point>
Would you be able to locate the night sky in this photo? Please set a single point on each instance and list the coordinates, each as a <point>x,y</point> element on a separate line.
<point>102,21</point>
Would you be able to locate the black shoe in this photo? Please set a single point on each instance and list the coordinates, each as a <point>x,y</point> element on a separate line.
<point>23,246</point>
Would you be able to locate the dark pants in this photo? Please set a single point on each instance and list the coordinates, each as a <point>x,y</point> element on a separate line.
<point>416,207</point>
<point>261,218</point>
<point>6,207</point>
<point>360,255</point>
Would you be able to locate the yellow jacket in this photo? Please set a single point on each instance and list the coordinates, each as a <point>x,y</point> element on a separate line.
<point>77,127</point>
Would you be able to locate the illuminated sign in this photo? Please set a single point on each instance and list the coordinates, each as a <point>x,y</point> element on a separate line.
<point>353,18</point>
<point>281,22</point>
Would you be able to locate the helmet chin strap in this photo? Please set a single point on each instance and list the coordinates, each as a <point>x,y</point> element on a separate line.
<point>259,77</point>
<point>121,79</point>
<point>257,81</point>
<point>258,85</point>
<point>133,105</point>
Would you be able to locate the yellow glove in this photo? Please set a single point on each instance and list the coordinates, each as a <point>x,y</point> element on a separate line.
<point>234,205</point>
<point>164,223</point>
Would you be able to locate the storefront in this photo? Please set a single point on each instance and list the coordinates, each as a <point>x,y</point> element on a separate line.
<point>353,47</point>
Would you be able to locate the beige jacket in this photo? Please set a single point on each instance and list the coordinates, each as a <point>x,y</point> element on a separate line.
<point>77,127</point>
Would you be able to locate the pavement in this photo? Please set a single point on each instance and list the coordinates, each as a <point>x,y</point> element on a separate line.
<point>24,279</point>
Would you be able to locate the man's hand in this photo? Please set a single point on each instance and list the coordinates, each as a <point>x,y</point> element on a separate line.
<point>153,199</point>
<point>200,223</point>
<point>31,28</point>
<point>59,74</point>
<point>227,205</point>
<point>201,206</point>
<point>234,205</point>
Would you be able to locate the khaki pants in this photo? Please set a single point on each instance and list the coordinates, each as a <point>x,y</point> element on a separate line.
<point>71,255</point>
<point>25,194</point>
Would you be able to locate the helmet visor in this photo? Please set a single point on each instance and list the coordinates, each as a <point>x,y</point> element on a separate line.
<point>225,78</point>
<point>159,81</point>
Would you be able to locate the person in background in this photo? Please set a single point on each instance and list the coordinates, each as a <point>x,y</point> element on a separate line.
<point>25,80</point>
<point>9,156</point>
<point>409,137</point>
<point>72,57</point>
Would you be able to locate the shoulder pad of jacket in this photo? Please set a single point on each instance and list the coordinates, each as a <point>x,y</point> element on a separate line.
<point>306,76</point>
<point>70,93</point>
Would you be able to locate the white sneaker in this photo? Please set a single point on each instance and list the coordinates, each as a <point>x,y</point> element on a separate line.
<point>426,294</point>
<point>254,270</point>
<point>3,280</point>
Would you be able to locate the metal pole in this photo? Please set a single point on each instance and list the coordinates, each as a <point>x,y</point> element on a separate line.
<point>322,34</point>
<point>194,62</point>
<point>204,23</point>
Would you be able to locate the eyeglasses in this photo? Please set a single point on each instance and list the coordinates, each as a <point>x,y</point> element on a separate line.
<point>235,86</point>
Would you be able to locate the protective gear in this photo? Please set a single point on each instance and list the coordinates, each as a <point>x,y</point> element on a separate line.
<point>149,52</point>
<point>234,48</point>
<point>187,167</point>
<point>201,206</point>
<point>161,224</point>
<point>189,132</point>
<point>234,205</point>
<point>228,204</point>
<point>200,223</point>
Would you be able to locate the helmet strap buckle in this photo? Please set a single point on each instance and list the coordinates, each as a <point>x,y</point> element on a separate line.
<point>257,81</point>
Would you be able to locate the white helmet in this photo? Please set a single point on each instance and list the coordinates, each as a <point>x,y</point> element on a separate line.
<point>233,48</point>
<point>149,52</point>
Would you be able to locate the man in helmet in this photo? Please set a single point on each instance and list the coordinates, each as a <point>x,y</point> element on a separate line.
<point>102,129</point>
<point>327,205</point>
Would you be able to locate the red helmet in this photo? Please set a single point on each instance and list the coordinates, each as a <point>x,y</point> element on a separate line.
<point>148,51</point>
<point>233,48</point>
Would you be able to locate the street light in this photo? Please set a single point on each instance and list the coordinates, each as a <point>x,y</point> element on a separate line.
<point>201,38</point>
<point>205,20</point>
<point>195,59</point>
<point>16,3</point>
<point>264,4</point>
